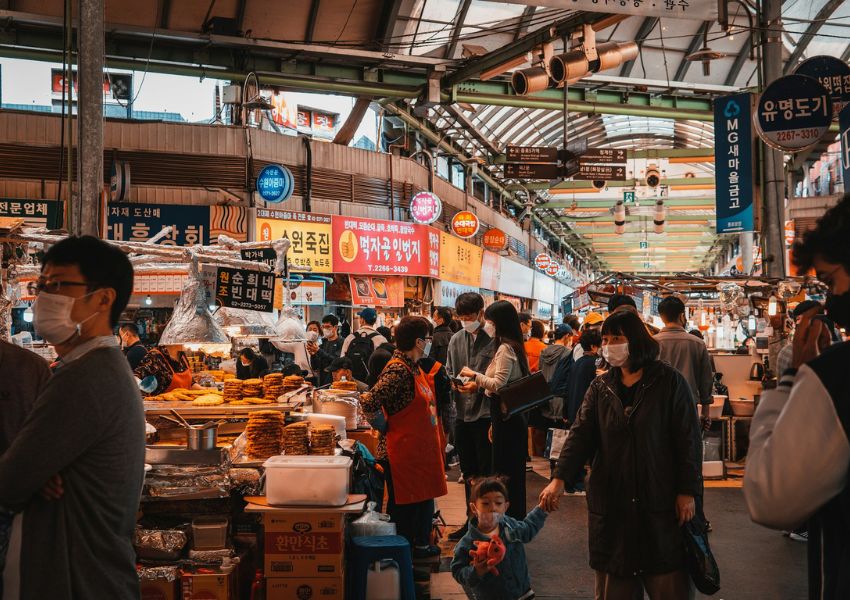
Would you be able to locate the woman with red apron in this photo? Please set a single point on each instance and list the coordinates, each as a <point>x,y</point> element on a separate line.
<point>170,373</point>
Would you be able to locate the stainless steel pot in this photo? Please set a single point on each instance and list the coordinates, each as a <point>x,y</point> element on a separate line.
<point>201,439</point>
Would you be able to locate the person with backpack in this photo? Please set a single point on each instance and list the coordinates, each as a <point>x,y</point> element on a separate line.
<point>358,346</point>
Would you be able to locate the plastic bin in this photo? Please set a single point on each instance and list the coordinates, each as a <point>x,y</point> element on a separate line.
<point>209,533</point>
<point>307,480</point>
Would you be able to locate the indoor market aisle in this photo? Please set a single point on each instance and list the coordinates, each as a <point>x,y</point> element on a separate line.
<point>755,563</point>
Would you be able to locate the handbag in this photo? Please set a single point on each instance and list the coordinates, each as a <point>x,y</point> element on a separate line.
<point>700,561</point>
<point>524,394</point>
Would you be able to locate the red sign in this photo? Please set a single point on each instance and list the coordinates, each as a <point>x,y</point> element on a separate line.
<point>553,268</point>
<point>495,240</point>
<point>367,290</point>
<point>465,224</point>
<point>425,208</point>
<point>371,246</point>
<point>323,122</point>
<point>284,109</point>
<point>304,119</point>
<point>542,261</point>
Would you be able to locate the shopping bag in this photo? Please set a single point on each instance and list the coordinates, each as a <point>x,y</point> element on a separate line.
<point>555,439</point>
<point>700,561</point>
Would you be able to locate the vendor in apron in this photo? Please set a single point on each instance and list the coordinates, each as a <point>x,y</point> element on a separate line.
<point>169,366</point>
<point>410,450</point>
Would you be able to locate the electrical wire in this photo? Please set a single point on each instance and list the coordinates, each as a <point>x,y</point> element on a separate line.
<point>147,65</point>
<point>345,25</point>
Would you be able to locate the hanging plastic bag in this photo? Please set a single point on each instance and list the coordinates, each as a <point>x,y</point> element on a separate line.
<point>702,567</point>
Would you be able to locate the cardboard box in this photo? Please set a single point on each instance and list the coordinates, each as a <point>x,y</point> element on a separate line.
<point>312,554</point>
<point>158,589</point>
<point>303,522</point>
<point>331,588</point>
<point>207,586</point>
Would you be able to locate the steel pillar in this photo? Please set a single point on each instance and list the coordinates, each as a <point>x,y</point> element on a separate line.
<point>90,112</point>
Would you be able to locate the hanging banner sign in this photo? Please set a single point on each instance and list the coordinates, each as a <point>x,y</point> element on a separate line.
<point>542,261</point>
<point>238,288</point>
<point>465,224</point>
<point>275,183</point>
<point>832,73</point>
<point>794,112</point>
<point>495,240</point>
<point>364,246</point>
<point>844,136</point>
<point>190,224</point>
<point>309,233</point>
<point>460,262</point>
<point>35,213</point>
<point>700,10</point>
<point>733,173</point>
<point>425,208</point>
<point>532,171</point>
<point>377,291</point>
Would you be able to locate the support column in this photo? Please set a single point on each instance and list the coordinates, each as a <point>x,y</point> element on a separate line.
<point>773,224</point>
<point>747,241</point>
<point>90,111</point>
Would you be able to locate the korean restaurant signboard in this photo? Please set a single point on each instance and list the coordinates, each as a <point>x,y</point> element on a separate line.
<point>373,246</point>
<point>275,183</point>
<point>35,213</point>
<point>495,240</point>
<point>190,224</point>
<point>241,288</point>
<point>832,73</point>
<point>733,167</point>
<point>460,261</point>
<point>701,10</point>
<point>309,233</point>
<point>542,261</point>
<point>465,224</point>
<point>425,208</point>
<point>794,112</point>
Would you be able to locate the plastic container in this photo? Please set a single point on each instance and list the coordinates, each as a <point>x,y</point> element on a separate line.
<point>743,408</point>
<point>307,480</point>
<point>383,581</point>
<point>715,411</point>
<point>209,533</point>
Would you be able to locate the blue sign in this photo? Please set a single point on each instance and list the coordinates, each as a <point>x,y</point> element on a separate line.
<point>733,163</point>
<point>794,112</point>
<point>844,127</point>
<point>275,183</point>
<point>190,225</point>
<point>832,73</point>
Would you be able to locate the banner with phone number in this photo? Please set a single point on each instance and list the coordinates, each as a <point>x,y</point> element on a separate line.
<point>377,247</point>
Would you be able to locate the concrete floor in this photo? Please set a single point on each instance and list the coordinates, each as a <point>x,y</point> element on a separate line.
<point>755,563</point>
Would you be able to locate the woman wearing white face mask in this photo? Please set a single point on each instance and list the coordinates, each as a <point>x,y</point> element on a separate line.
<point>638,427</point>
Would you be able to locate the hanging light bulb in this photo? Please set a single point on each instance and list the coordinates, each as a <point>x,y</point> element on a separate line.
<point>619,218</point>
<point>148,300</point>
<point>771,306</point>
<point>28,314</point>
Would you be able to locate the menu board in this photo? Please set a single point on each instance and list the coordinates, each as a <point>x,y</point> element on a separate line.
<point>309,233</point>
<point>305,293</point>
<point>460,261</point>
<point>250,290</point>
<point>372,246</point>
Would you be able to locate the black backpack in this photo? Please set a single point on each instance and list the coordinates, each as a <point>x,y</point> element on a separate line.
<point>359,351</point>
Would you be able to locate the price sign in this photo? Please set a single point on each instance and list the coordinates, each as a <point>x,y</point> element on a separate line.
<point>275,183</point>
<point>250,290</point>
<point>425,208</point>
<point>542,261</point>
<point>794,112</point>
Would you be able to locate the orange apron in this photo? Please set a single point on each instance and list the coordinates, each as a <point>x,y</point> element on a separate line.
<point>183,379</point>
<point>413,446</point>
<point>431,376</point>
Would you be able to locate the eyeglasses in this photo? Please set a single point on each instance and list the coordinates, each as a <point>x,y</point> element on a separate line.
<point>52,286</point>
<point>826,278</point>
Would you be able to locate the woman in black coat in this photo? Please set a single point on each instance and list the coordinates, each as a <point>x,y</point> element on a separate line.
<point>639,429</point>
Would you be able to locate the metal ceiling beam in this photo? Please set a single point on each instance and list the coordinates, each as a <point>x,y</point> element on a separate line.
<point>739,62</point>
<point>571,185</point>
<point>467,124</point>
<point>524,22</point>
<point>352,123</point>
<point>164,13</point>
<point>632,218</point>
<point>312,19</point>
<point>643,32</point>
<point>461,19</point>
<point>386,22</point>
<point>604,203</point>
<point>696,43</point>
<point>811,31</point>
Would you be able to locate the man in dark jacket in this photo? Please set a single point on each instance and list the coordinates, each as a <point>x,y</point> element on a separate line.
<point>582,373</point>
<point>442,333</point>
<point>321,356</point>
<point>550,414</point>
<point>134,349</point>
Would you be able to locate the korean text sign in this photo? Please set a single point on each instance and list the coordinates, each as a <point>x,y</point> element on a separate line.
<point>460,262</point>
<point>310,235</point>
<point>371,246</point>
<point>794,112</point>
<point>190,224</point>
<point>733,174</point>
<point>250,290</point>
<point>35,213</point>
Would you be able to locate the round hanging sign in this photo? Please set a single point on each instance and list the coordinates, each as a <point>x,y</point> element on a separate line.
<point>425,208</point>
<point>275,183</point>
<point>832,73</point>
<point>794,112</point>
<point>495,240</point>
<point>542,260</point>
<point>465,224</point>
<point>553,268</point>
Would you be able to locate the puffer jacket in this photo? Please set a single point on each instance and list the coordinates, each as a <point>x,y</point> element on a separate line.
<point>549,359</point>
<point>641,459</point>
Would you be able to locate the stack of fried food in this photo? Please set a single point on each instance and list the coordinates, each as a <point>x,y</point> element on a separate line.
<point>292,383</point>
<point>295,438</point>
<point>263,433</point>
<point>252,388</point>
<point>233,390</point>
<point>323,440</point>
<point>348,386</point>
<point>273,386</point>
<point>208,396</point>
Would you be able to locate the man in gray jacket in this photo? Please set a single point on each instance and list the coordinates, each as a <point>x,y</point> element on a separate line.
<point>685,352</point>
<point>470,347</point>
<point>85,435</point>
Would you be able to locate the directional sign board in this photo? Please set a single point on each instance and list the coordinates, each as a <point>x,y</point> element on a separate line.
<point>605,156</point>
<point>531,171</point>
<point>794,112</point>
<point>601,172</point>
<point>531,154</point>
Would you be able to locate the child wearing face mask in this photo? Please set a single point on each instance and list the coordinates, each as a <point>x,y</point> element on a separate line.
<point>489,523</point>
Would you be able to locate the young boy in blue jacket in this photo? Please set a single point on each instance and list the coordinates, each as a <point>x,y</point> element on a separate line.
<point>508,579</point>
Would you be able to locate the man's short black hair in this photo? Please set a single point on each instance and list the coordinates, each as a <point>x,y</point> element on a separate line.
<point>103,265</point>
<point>643,349</point>
<point>804,306</point>
<point>537,329</point>
<point>469,303</point>
<point>618,300</point>
<point>671,308</point>
<point>248,353</point>
<point>131,328</point>
<point>590,338</point>
<point>488,485</point>
<point>330,320</point>
<point>573,322</point>
<point>445,313</point>
<point>524,317</point>
<point>830,239</point>
<point>410,329</point>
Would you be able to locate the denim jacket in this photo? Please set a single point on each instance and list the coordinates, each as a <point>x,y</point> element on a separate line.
<point>513,581</point>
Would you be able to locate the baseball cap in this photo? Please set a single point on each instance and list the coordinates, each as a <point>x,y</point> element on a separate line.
<point>593,318</point>
<point>370,315</point>
<point>561,330</point>
<point>340,362</point>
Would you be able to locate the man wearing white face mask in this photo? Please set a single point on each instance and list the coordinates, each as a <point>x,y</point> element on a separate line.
<point>471,347</point>
<point>84,436</point>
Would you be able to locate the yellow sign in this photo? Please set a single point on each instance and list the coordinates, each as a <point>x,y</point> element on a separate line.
<point>309,233</point>
<point>460,262</point>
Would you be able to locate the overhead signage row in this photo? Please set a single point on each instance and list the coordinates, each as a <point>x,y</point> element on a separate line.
<point>309,233</point>
<point>698,10</point>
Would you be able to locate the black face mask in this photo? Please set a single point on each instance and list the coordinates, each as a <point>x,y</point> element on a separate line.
<point>838,309</point>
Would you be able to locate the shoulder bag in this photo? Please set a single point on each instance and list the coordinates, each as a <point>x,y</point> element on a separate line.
<point>523,394</point>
